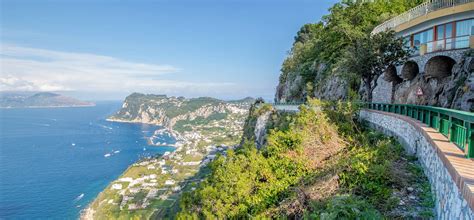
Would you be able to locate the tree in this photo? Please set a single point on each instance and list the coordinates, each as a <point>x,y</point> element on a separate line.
<point>369,57</point>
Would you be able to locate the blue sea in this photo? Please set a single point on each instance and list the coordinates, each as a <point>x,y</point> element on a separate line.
<point>52,161</point>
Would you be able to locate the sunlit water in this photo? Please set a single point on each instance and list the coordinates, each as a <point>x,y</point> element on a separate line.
<point>54,161</point>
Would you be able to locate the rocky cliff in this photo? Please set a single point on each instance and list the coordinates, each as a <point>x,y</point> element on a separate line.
<point>327,83</point>
<point>167,111</point>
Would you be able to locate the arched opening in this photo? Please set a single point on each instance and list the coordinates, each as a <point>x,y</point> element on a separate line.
<point>439,67</point>
<point>390,75</point>
<point>410,70</point>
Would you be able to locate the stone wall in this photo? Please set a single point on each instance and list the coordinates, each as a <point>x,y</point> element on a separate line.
<point>451,202</point>
<point>456,55</point>
<point>445,78</point>
<point>383,92</point>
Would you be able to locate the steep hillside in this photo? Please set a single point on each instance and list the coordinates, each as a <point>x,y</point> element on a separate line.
<point>39,100</point>
<point>319,163</point>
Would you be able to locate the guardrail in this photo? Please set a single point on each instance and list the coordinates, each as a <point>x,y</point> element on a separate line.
<point>418,11</point>
<point>457,126</point>
<point>287,103</point>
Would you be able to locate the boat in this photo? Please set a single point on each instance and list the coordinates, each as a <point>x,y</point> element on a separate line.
<point>107,155</point>
<point>116,152</point>
<point>79,197</point>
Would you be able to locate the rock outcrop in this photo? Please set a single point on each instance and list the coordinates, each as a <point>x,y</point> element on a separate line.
<point>261,129</point>
<point>327,84</point>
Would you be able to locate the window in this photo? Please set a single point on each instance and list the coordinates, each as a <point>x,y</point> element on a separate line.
<point>407,41</point>
<point>463,30</point>
<point>449,30</point>
<point>440,32</point>
<point>465,27</point>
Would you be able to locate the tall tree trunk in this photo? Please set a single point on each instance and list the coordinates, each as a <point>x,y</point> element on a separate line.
<point>368,88</point>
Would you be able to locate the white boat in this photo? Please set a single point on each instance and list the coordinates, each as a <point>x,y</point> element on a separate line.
<point>107,155</point>
<point>79,197</point>
<point>116,152</point>
<point>73,144</point>
<point>144,149</point>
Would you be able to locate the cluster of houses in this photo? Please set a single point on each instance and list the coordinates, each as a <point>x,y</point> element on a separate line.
<point>160,179</point>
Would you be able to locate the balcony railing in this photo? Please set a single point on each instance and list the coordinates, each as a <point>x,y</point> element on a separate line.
<point>457,126</point>
<point>460,42</point>
<point>418,11</point>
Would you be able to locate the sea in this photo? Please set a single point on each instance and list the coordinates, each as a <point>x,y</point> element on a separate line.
<point>55,161</point>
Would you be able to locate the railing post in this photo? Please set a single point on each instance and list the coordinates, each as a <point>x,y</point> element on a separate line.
<point>469,150</point>
<point>450,128</point>
<point>428,118</point>
<point>438,122</point>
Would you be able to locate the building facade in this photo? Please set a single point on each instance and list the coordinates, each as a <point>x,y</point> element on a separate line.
<point>439,32</point>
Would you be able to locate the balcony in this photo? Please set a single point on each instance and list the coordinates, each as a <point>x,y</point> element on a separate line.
<point>418,11</point>
<point>460,42</point>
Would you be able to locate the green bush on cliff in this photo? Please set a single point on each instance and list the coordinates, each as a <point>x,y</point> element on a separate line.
<point>322,138</point>
<point>249,181</point>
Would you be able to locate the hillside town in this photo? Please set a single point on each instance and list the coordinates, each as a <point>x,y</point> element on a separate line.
<point>152,186</point>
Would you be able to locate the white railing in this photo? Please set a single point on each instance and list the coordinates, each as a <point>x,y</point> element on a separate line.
<point>420,10</point>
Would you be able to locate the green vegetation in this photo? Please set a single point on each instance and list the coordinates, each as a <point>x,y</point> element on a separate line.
<point>187,125</point>
<point>171,106</point>
<point>351,171</point>
<point>326,43</point>
<point>369,57</point>
<point>151,188</point>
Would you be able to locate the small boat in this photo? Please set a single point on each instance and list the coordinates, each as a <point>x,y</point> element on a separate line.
<point>116,152</point>
<point>107,155</point>
<point>73,144</point>
<point>79,197</point>
<point>144,149</point>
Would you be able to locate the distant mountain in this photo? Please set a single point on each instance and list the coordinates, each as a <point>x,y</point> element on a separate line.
<point>39,100</point>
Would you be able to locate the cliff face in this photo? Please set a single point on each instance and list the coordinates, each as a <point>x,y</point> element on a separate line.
<point>327,83</point>
<point>167,111</point>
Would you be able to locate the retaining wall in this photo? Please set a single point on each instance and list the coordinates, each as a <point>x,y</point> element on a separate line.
<point>451,175</point>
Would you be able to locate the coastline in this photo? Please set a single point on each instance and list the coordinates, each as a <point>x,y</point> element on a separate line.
<point>88,212</point>
<point>161,179</point>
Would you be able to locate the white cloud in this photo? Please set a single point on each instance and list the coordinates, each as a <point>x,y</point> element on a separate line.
<point>32,69</point>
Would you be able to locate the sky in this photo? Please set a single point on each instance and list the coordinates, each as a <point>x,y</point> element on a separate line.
<point>105,50</point>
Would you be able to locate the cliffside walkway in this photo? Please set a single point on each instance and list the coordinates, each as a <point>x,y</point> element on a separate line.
<point>442,141</point>
<point>456,126</point>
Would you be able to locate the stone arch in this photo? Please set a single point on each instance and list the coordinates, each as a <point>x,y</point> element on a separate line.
<point>439,67</point>
<point>391,75</point>
<point>410,70</point>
